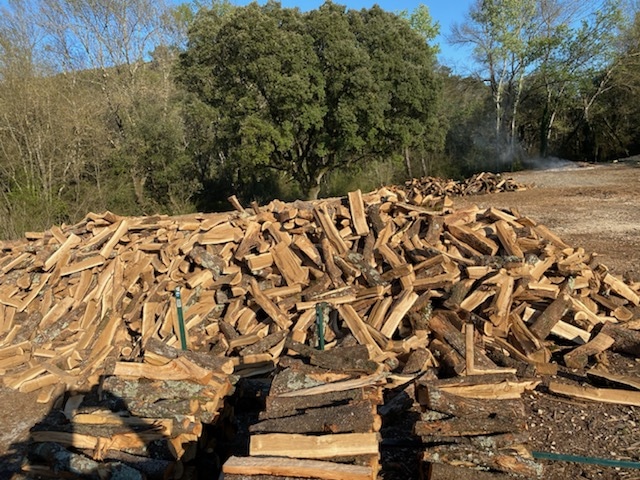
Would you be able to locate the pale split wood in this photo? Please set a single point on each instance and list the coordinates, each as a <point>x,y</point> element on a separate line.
<point>402,306</point>
<point>335,301</point>
<point>15,262</point>
<point>259,262</point>
<point>270,308</point>
<point>46,380</point>
<point>222,233</point>
<point>34,292</point>
<point>119,441</point>
<point>393,259</point>
<point>578,357</point>
<point>312,447</point>
<point>289,265</point>
<point>330,230</point>
<point>502,390</point>
<point>121,230</point>
<point>107,417</point>
<point>340,386</point>
<point>177,369</point>
<point>604,395</point>
<point>621,288</point>
<point>358,327</point>
<point>86,264</point>
<point>13,350</point>
<point>82,287</point>
<point>358,217</point>
<point>56,313</point>
<point>69,243</point>
<point>285,467</point>
<point>475,239</point>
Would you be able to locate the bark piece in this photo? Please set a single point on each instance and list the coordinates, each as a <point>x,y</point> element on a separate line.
<point>548,319</point>
<point>579,357</point>
<point>357,417</point>
<point>625,340</point>
<point>460,455</point>
<point>286,406</point>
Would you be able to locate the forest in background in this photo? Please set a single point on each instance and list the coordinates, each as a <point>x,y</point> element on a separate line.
<point>140,108</point>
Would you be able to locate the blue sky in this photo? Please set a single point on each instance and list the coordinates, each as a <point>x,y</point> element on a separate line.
<point>445,12</point>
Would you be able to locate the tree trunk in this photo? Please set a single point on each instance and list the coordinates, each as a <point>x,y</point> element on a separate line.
<point>313,192</point>
<point>407,162</point>
<point>313,186</point>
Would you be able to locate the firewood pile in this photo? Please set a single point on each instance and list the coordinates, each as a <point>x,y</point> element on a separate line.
<point>475,421</point>
<point>318,421</point>
<point>471,292</point>
<point>429,190</point>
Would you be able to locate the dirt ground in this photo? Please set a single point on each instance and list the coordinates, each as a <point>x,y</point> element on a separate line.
<point>593,206</point>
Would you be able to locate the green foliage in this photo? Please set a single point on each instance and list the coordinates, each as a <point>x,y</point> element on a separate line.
<point>309,93</point>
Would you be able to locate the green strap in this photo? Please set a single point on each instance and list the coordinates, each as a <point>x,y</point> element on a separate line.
<point>590,460</point>
<point>320,313</point>
<point>183,335</point>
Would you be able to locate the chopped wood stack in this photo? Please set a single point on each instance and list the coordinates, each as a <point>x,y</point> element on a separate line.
<point>317,420</point>
<point>477,422</point>
<point>400,279</point>
<point>146,422</point>
<point>427,190</point>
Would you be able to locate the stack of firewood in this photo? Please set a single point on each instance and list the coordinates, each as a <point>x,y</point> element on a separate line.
<point>145,419</point>
<point>320,418</point>
<point>429,190</point>
<point>96,299</point>
<point>475,423</point>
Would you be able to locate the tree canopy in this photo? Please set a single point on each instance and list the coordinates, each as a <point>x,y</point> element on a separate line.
<point>309,93</point>
<point>144,107</point>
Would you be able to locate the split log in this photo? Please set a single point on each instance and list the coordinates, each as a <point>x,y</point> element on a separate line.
<point>446,332</point>
<point>448,357</point>
<point>313,447</point>
<point>177,369</point>
<point>278,466</point>
<point>357,417</point>
<point>579,357</point>
<point>61,461</point>
<point>286,406</point>
<point>344,359</point>
<point>368,381</point>
<point>604,376</point>
<point>169,398</point>
<point>624,340</point>
<point>544,324</point>
<point>470,457</point>
<point>451,404</point>
<point>489,386</point>
<point>604,395</point>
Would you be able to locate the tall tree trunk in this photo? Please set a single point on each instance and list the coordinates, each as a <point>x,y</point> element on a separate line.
<point>407,162</point>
